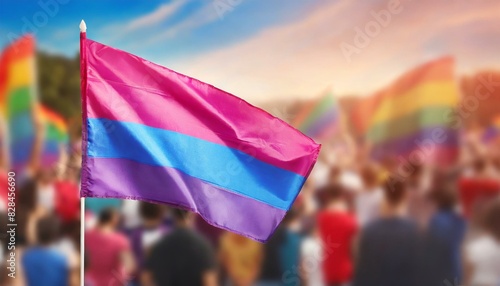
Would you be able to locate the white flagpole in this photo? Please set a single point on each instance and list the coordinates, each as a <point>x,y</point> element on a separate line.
<point>82,240</point>
<point>83,35</point>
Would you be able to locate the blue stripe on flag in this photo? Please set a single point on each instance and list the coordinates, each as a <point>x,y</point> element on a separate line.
<point>217,164</point>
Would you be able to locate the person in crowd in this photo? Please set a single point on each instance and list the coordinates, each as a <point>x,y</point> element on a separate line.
<point>68,244</point>
<point>290,249</point>
<point>151,230</point>
<point>241,258</point>
<point>210,232</point>
<point>388,252</point>
<point>445,235</point>
<point>30,214</point>
<point>110,257</point>
<point>46,194</point>
<point>30,209</point>
<point>271,272</point>
<point>67,195</point>
<point>480,167</point>
<point>88,280</point>
<point>337,228</point>
<point>418,184</point>
<point>4,251</point>
<point>368,201</point>
<point>311,258</point>
<point>42,264</point>
<point>482,261</point>
<point>183,257</point>
<point>130,213</point>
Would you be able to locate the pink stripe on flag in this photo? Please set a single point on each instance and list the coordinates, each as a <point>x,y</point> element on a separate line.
<point>119,84</point>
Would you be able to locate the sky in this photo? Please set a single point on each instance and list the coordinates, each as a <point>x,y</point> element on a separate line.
<point>272,50</point>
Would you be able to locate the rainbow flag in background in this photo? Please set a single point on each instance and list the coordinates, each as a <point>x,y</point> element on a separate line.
<point>320,118</point>
<point>56,134</point>
<point>17,96</point>
<point>493,131</point>
<point>414,114</point>
<point>179,141</point>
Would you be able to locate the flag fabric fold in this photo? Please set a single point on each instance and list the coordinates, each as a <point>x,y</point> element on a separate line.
<point>156,135</point>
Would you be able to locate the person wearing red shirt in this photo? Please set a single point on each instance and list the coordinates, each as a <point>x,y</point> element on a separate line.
<point>337,229</point>
<point>67,200</point>
<point>110,257</point>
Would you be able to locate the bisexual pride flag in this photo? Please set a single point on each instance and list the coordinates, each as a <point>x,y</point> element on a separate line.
<point>156,135</point>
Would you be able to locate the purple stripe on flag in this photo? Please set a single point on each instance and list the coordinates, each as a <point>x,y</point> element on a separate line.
<point>126,179</point>
<point>124,87</point>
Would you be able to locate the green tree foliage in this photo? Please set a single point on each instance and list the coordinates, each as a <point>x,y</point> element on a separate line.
<point>59,85</point>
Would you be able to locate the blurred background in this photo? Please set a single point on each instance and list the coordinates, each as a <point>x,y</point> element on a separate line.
<point>403,95</point>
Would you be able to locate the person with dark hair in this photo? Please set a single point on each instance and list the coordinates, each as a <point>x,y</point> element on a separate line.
<point>482,261</point>
<point>444,237</point>
<point>389,246</point>
<point>30,214</point>
<point>337,228</point>
<point>42,264</point>
<point>110,258</point>
<point>289,248</point>
<point>145,236</point>
<point>271,273</point>
<point>183,257</point>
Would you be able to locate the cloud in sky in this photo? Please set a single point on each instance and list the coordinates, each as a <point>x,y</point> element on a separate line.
<point>204,15</point>
<point>265,51</point>
<point>301,58</point>
<point>155,17</point>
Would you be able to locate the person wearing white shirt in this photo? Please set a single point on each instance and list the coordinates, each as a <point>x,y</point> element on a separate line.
<point>483,253</point>
<point>368,201</point>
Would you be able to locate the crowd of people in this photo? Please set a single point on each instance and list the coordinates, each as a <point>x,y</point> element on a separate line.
<point>43,213</point>
<point>356,222</point>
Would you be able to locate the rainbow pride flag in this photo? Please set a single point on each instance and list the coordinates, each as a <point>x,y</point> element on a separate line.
<point>17,96</point>
<point>56,134</point>
<point>320,118</point>
<point>156,135</point>
<point>492,132</point>
<point>413,116</point>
